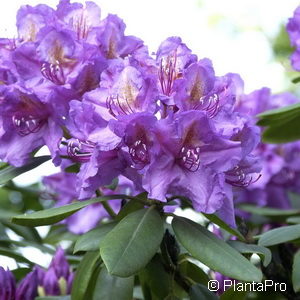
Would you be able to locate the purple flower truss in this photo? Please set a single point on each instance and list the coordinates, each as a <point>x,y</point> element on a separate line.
<point>164,124</point>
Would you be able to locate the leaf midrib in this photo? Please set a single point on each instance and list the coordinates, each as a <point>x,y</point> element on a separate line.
<point>131,239</point>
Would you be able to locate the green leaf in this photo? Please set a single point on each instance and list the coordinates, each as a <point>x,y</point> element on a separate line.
<point>296,80</point>
<point>56,214</point>
<point>6,214</point>
<point>29,234</point>
<point>231,294</point>
<point>129,207</point>
<point>280,113</point>
<point>90,241</point>
<point>283,133</point>
<point>16,256</point>
<point>268,211</point>
<point>109,287</point>
<point>263,252</point>
<point>3,165</point>
<point>216,220</point>
<point>154,279</point>
<point>293,220</point>
<point>83,275</point>
<point>20,273</point>
<point>171,297</point>
<point>24,243</point>
<point>296,272</point>
<point>58,233</point>
<point>279,235</point>
<point>10,172</point>
<point>214,252</point>
<point>75,168</point>
<point>199,291</point>
<point>133,242</point>
<point>283,124</point>
<point>193,272</point>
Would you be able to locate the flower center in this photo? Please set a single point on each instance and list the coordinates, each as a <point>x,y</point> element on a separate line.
<point>81,25</point>
<point>139,153</point>
<point>53,72</point>
<point>189,158</point>
<point>237,177</point>
<point>167,73</point>
<point>26,124</point>
<point>29,117</point>
<point>210,104</point>
<point>117,105</point>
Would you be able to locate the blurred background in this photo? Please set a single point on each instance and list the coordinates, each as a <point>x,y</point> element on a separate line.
<point>239,36</point>
<point>245,37</point>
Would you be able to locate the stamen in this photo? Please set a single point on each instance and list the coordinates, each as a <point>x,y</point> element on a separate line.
<point>210,104</point>
<point>118,106</point>
<point>26,124</point>
<point>167,74</point>
<point>237,177</point>
<point>80,151</point>
<point>81,26</point>
<point>189,158</point>
<point>139,153</point>
<point>53,72</point>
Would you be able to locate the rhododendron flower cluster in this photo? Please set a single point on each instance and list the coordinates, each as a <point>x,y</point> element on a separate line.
<point>94,96</point>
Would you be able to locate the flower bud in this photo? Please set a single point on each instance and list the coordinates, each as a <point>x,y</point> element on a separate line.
<point>7,285</point>
<point>27,289</point>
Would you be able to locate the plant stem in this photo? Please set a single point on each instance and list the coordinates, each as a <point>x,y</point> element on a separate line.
<point>108,208</point>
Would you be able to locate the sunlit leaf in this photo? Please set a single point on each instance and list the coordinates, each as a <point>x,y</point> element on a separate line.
<point>214,252</point>
<point>265,253</point>
<point>279,235</point>
<point>133,242</point>
<point>296,272</point>
<point>90,241</point>
<point>109,287</point>
<point>83,275</point>
<point>56,214</point>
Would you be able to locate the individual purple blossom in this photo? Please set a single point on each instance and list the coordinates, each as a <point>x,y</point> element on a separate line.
<point>27,124</point>
<point>112,41</point>
<point>172,57</point>
<point>84,20</point>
